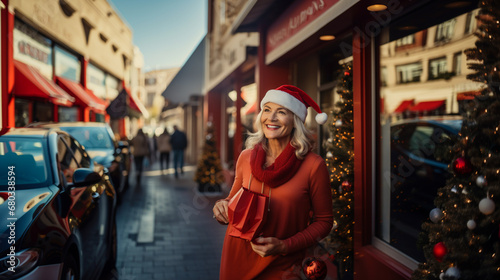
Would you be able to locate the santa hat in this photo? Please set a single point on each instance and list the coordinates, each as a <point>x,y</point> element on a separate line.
<point>295,100</point>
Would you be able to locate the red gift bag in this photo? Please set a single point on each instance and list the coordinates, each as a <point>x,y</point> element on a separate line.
<point>247,212</point>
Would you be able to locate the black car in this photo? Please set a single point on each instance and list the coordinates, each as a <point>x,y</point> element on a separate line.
<point>57,206</point>
<point>99,141</point>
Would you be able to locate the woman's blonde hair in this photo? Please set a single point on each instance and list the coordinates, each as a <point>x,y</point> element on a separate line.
<point>302,139</point>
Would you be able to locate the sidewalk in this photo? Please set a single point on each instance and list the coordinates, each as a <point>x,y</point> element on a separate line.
<point>166,230</point>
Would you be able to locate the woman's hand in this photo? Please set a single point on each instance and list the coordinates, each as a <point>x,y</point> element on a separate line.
<point>220,211</point>
<point>267,246</point>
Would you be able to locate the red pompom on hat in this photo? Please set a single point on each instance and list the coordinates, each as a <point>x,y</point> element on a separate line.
<point>295,100</point>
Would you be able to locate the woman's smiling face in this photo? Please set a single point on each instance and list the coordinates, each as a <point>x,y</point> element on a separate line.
<point>277,121</point>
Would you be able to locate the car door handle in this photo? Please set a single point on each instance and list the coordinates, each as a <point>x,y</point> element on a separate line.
<point>95,195</point>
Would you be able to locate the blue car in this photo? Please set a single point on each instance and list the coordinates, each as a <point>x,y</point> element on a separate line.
<point>57,206</point>
<point>99,141</point>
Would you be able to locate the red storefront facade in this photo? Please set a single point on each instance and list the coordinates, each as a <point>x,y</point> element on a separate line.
<point>400,56</point>
<point>67,68</point>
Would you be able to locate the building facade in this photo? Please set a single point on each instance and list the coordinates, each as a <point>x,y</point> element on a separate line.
<point>64,60</point>
<point>408,63</point>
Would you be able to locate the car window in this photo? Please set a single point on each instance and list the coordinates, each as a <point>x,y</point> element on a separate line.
<point>421,143</point>
<point>91,137</point>
<point>67,162</point>
<point>26,158</point>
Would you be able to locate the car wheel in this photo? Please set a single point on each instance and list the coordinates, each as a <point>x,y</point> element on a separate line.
<point>70,270</point>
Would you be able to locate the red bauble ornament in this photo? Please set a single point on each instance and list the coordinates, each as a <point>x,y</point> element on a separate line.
<point>346,186</point>
<point>346,73</point>
<point>462,166</point>
<point>314,269</point>
<point>439,251</point>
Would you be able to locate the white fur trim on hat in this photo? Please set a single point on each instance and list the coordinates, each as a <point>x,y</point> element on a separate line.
<point>286,100</point>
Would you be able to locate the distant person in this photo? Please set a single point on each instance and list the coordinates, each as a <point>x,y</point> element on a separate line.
<point>141,149</point>
<point>154,148</point>
<point>163,144</point>
<point>178,140</point>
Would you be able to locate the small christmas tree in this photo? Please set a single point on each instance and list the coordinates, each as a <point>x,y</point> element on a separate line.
<point>209,172</point>
<point>340,162</point>
<point>462,239</point>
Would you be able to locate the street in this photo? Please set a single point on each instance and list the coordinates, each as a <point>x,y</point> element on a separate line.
<point>166,230</point>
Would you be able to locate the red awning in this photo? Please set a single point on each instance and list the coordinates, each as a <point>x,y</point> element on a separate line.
<point>468,95</point>
<point>29,82</point>
<point>405,104</point>
<point>83,97</point>
<point>137,105</point>
<point>427,106</point>
<point>252,109</point>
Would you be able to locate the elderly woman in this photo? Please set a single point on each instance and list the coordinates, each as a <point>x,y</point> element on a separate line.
<point>279,155</point>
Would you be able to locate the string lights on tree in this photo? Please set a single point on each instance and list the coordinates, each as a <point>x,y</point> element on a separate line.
<point>340,162</point>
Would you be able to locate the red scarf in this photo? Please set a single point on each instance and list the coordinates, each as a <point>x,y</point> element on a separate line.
<point>283,169</point>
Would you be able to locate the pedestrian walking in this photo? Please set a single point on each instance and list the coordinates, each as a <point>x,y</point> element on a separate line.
<point>141,151</point>
<point>179,143</point>
<point>278,163</point>
<point>163,144</point>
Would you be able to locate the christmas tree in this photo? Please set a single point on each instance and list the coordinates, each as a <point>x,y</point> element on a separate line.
<point>462,237</point>
<point>209,172</point>
<point>340,162</point>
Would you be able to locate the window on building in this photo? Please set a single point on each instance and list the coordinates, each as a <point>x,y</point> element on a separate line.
<point>43,112</point>
<point>409,73</point>
<point>67,65</point>
<point>408,40</point>
<point>413,155</point>
<point>96,80</point>
<point>470,22</point>
<point>437,68</point>
<point>22,112</point>
<point>444,31</point>
<point>457,63</point>
<point>112,84</point>
<point>68,114</point>
<point>150,81</point>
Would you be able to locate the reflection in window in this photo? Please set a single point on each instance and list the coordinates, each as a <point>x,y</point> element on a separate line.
<point>457,63</point>
<point>408,40</point>
<point>415,139</point>
<point>409,73</point>
<point>437,68</point>
<point>444,31</point>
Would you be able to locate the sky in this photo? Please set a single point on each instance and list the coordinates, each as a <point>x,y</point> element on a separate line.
<point>166,31</point>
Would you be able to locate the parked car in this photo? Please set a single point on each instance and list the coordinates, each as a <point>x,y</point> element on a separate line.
<point>59,207</point>
<point>421,151</point>
<point>99,141</point>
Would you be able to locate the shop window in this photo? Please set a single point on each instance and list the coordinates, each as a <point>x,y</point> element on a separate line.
<point>67,65</point>
<point>409,73</point>
<point>43,112</point>
<point>415,139</point>
<point>150,81</point>
<point>22,112</point>
<point>68,114</point>
<point>437,68</point>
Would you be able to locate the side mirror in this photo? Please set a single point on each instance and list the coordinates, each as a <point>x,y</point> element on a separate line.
<point>85,177</point>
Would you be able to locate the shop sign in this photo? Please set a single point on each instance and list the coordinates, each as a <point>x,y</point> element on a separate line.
<point>33,49</point>
<point>299,21</point>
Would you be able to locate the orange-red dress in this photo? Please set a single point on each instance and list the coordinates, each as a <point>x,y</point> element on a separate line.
<point>291,205</point>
